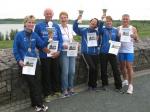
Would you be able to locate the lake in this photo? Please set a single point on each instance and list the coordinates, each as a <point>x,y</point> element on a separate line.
<point>7,27</point>
<point>4,28</point>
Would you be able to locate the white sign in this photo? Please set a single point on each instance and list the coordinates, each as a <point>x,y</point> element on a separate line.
<point>53,47</point>
<point>91,39</point>
<point>29,65</point>
<point>114,47</point>
<point>125,35</point>
<point>72,49</point>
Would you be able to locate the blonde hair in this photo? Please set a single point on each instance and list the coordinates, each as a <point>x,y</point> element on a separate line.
<point>63,13</point>
<point>27,18</point>
<point>109,18</point>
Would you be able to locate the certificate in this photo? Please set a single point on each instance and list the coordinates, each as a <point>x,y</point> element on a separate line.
<point>72,49</point>
<point>91,39</point>
<point>29,65</point>
<point>53,47</point>
<point>125,35</point>
<point>114,47</point>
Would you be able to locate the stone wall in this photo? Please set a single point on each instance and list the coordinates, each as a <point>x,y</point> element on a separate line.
<point>13,88</point>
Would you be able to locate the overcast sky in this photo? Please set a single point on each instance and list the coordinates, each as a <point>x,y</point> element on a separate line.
<point>137,9</point>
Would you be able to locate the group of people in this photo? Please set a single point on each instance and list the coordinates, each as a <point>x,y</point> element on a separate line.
<point>58,69</point>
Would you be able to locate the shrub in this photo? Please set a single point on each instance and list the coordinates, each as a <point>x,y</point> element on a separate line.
<point>12,34</point>
<point>1,36</point>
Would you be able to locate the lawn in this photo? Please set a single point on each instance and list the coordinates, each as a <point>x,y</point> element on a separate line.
<point>143,28</point>
<point>6,44</point>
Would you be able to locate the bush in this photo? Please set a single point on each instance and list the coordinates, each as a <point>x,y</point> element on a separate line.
<point>1,36</point>
<point>7,36</point>
<point>12,34</point>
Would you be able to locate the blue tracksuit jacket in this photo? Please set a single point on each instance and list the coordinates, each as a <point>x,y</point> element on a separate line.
<point>22,42</point>
<point>41,30</point>
<point>106,35</point>
<point>83,33</point>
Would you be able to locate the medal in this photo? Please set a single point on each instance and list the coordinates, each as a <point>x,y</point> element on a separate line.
<point>110,41</point>
<point>29,49</point>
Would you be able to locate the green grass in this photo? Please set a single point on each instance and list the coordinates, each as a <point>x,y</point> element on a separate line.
<point>9,43</point>
<point>6,44</point>
<point>143,28</point>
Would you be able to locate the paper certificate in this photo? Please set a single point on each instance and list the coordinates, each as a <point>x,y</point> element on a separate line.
<point>53,47</point>
<point>114,47</point>
<point>91,39</point>
<point>125,35</point>
<point>29,65</point>
<point>72,49</point>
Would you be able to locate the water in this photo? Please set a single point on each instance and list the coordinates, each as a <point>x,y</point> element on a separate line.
<point>7,27</point>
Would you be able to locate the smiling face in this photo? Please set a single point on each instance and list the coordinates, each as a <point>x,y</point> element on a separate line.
<point>125,20</point>
<point>63,17</point>
<point>48,13</point>
<point>108,21</point>
<point>29,22</point>
<point>93,23</point>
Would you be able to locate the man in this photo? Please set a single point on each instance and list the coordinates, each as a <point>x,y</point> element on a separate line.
<point>49,65</point>
<point>128,35</point>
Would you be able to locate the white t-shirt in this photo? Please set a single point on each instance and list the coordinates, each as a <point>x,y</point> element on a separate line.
<point>126,47</point>
<point>67,34</point>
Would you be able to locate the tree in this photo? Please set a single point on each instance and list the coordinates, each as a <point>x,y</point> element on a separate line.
<point>12,34</point>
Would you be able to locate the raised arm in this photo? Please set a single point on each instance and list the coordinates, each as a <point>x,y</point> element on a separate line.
<point>76,28</point>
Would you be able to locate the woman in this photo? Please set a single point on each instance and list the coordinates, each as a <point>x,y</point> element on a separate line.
<point>89,48</point>
<point>67,62</point>
<point>109,33</point>
<point>25,44</point>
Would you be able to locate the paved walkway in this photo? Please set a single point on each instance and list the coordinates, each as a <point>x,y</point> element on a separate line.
<point>106,101</point>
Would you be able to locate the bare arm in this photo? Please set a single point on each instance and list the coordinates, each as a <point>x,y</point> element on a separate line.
<point>135,34</point>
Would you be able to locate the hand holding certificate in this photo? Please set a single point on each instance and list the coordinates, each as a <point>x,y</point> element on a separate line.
<point>125,35</point>
<point>29,65</point>
<point>72,49</point>
<point>53,47</point>
<point>114,47</point>
<point>91,39</point>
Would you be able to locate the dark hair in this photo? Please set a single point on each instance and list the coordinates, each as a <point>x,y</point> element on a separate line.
<point>96,20</point>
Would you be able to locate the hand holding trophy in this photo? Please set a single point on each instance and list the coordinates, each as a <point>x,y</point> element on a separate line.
<point>104,14</point>
<point>80,16</point>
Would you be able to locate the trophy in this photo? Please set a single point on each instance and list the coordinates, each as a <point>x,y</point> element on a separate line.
<point>50,30</point>
<point>50,33</point>
<point>104,14</point>
<point>80,14</point>
<point>104,11</point>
